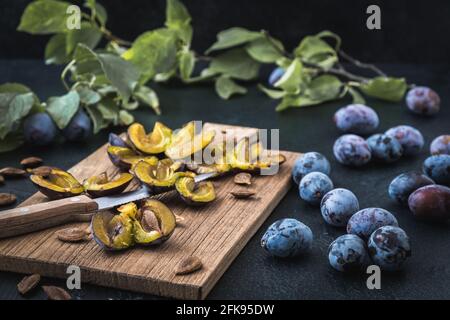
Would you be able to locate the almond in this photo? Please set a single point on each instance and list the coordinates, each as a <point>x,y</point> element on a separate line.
<point>72,235</point>
<point>56,293</point>
<point>243,194</point>
<point>243,178</point>
<point>189,265</point>
<point>12,173</point>
<point>6,199</point>
<point>28,283</point>
<point>31,162</point>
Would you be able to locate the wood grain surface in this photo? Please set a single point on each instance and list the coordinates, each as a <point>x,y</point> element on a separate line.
<point>216,233</point>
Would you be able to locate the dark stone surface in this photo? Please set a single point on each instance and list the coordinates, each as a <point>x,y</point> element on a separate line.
<point>253,274</point>
<point>411,31</point>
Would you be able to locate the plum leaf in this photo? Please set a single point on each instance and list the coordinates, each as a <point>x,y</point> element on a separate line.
<point>226,87</point>
<point>178,19</point>
<point>55,50</point>
<point>88,96</point>
<point>99,10</point>
<point>88,35</point>
<point>186,64</point>
<point>235,63</point>
<point>292,78</point>
<point>265,50</point>
<point>233,37</point>
<point>62,109</point>
<point>97,118</point>
<point>147,96</point>
<point>126,118</point>
<point>13,107</point>
<point>44,17</point>
<point>153,52</point>
<point>385,88</point>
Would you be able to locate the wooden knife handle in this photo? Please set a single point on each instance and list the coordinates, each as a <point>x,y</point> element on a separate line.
<point>41,216</point>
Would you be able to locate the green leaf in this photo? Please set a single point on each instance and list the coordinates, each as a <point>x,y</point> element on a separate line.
<point>109,110</point>
<point>13,107</point>
<point>88,35</point>
<point>147,96</point>
<point>11,142</point>
<point>44,17</point>
<point>179,20</point>
<point>233,37</point>
<point>122,74</point>
<point>62,109</point>
<point>313,49</point>
<point>55,51</point>
<point>153,52</point>
<point>97,119</point>
<point>356,96</point>
<point>334,36</point>
<point>385,88</point>
<point>324,88</point>
<point>235,63</point>
<point>186,64</point>
<point>292,78</point>
<point>126,118</point>
<point>226,87</point>
<point>88,96</point>
<point>12,87</point>
<point>99,10</point>
<point>265,50</point>
<point>321,89</point>
<point>130,105</point>
<point>274,94</point>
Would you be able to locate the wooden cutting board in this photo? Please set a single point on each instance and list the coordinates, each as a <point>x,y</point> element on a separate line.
<point>216,233</point>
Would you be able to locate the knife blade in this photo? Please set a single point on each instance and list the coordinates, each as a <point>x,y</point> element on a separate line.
<point>110,202</point>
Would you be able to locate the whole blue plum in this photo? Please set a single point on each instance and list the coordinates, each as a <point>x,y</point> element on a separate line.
<point>314,186</point>
<point>366,221</point>
<point>356,118</point>
<point>389,247</point>
<point>352,150</point>
<point>287,238</point>
<point>337,206</point>
<point>410,138</point>
<point>276,75</point>
<point>438,168</point>
<point>79,128</point>
<point>348,253</point>
<point>403,185</point>
<point>385,148</point>
<point>40,129</point>
<point>440,145</point>
<point>423,101</point>
<point>310,162</point>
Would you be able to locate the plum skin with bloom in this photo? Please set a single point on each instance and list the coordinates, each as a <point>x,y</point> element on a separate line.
<point>389,247</point>
<point>79,128</point>
<point>310,162</point>
<point>366,221</point>
<point>438,168</point>
<point>348,253</point>
<point>385,148</point>
<point>287,238</point>
<point>403,185</point>
<point>431,203</point>
<point>40,129</point>
<point>423,101</point>
<point>440,145</point>
<point>314,186</point>
<point>352,150</point>
<point>337,207</point>
<point>410,138</point>
<point>356,118</point>
<point>276,75</point>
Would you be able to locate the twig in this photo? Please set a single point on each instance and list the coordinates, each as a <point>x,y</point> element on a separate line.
<point>108,35</point>
<point>273,43</point>
<point>362,64</point>
<point>64,74</point>
<point>337,71</point>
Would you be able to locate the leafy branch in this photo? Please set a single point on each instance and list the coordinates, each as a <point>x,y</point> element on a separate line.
<point>112,81</point>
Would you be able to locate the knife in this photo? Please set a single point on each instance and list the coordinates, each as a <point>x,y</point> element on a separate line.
<point>41,216</point>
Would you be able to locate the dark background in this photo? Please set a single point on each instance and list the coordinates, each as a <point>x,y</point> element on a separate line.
<point>412,31</point>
